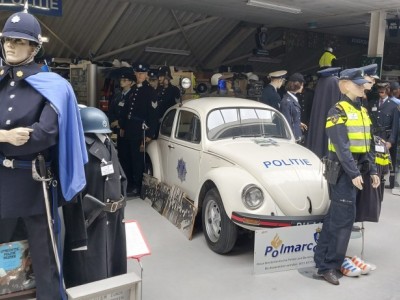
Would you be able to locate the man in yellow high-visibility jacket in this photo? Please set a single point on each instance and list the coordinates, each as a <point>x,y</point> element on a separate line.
<point>327,59</point>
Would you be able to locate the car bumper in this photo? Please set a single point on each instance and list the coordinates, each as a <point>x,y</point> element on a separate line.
<point>260,221</point>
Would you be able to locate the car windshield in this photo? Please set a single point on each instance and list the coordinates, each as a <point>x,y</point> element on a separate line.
<point>245,122</point>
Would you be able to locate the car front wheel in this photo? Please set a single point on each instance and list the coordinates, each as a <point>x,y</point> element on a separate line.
<point>219,231</point>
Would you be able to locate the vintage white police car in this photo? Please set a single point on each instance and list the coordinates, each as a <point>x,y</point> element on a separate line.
<point>238,161</point>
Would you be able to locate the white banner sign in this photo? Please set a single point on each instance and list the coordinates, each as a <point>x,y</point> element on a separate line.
<point>285,248</point>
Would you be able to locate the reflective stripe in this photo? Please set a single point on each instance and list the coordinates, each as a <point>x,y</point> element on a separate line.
<point>382,159</point>
<point>358,128</point>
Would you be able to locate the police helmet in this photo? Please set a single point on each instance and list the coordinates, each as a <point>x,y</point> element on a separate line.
<point>215,78</point>
<point>94,120</point>
<point>23,25</point>
<point>329,49</point>
<point>165,71</point>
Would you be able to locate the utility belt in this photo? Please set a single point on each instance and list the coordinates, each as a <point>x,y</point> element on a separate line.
<point>19,164</point>
<point>93,207</point>
<point>113,206</point>
<point>333,169</point>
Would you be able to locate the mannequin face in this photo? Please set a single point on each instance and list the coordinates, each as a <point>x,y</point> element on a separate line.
<point>125,84</point>
<point>17,50</point>
<point>141,76</point>
<point>368,86</point>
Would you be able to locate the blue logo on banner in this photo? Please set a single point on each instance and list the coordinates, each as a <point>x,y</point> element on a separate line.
<point>36,7</point>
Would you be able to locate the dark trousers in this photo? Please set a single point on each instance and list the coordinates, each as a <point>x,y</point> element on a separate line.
<point>136,161</point>
<point>123,156</point>
<point>35,229</point>
<point>338,223</point>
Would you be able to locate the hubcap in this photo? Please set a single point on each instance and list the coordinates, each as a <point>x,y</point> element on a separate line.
<point>213,221</point>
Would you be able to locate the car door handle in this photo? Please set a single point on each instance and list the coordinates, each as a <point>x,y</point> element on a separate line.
<point>171,147</point>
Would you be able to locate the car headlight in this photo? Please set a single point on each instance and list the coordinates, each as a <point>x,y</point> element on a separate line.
<point>252,196</point>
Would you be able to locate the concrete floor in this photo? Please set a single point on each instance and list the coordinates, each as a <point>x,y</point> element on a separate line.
<point>180,269</point>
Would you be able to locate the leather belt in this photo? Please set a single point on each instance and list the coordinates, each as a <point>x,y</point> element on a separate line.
<point>17,164</point>
<point>114,206</point>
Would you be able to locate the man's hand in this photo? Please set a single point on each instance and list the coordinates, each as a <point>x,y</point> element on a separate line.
<point>358,182</point>
<point>375,181</point>
<point>18,136</point>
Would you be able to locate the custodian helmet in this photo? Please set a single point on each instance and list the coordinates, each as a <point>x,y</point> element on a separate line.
<point>94,120</point>
<point>23,25</point>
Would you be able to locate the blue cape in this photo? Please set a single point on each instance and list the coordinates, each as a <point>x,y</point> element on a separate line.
<point>72,153</point>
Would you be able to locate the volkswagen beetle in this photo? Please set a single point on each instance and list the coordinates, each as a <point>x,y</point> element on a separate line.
<point>238,161</point>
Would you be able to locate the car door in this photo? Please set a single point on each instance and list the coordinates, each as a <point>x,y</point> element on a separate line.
<point>185,153</point>
<point>164,142</point>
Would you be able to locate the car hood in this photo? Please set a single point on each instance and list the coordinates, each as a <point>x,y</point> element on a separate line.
<point>290,173</point>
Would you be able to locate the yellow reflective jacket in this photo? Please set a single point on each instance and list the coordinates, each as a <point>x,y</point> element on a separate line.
<point>358,126</point>
<point>326,59</point>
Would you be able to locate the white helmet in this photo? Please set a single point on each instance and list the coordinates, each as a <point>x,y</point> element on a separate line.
<point>251,76</point>
<point>215,78</point>
<point>329,49</point>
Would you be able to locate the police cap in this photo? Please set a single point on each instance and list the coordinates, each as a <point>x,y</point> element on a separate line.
<point>329,72</point>
<point>297,77</point>
<point>278,74</point>
<point>371,70</point>
<point>356,75</point>
<point>153,75</point>
<point>127,73</point>
<point>141,67</point>
<point>394,85</point>
<point>165,71</point>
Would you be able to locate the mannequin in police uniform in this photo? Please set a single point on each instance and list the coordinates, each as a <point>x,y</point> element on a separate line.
<point>38,115</point>
<point>327,59</point>
<point>117,103</point>
<point>270,93</point>
<point>349,146</point>
<point>290,106</point>
<point>105,255</point>
<point>138,122</point>
<point>385,122</point>
<point>169,94</point>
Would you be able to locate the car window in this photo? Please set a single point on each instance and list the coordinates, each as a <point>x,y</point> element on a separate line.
<point>237,122</point>
<point>188,127</point>
<point>167,122</point>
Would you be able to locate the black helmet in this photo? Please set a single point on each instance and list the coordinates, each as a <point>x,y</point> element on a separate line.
<point>165,71</point>
<point>23,25</point>
<point>94,120</point>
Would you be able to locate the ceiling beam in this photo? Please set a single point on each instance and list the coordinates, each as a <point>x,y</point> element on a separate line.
<point>155,38</point>
<point>58,38</point>
<point>110,25</point>
<point>229,44</point>
<point>192,50</point>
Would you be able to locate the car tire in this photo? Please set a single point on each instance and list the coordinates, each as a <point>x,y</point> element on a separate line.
<point>220,232</point>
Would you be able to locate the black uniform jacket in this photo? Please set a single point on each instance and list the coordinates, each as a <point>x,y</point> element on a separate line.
<point>339,137</point>
<point>106,253</point>
<point>291,109</point>
<point>385,120</point>
<point>140,106</point>
<point>167,97</point>
<point>22,106</point>
<point>326,94</point>
<point>271,97</point>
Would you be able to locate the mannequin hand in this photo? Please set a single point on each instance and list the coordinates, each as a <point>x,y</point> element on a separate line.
<point>18,136</point>
<point>303,126</point>
<point>388,145</point>
<point>375,181</point>
<point>114,124</point>
<point>121,132</point>
<point>358,182</point>
<point>147,139</point>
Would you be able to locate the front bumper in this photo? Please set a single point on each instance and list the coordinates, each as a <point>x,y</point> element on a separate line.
<point>261,221</point>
